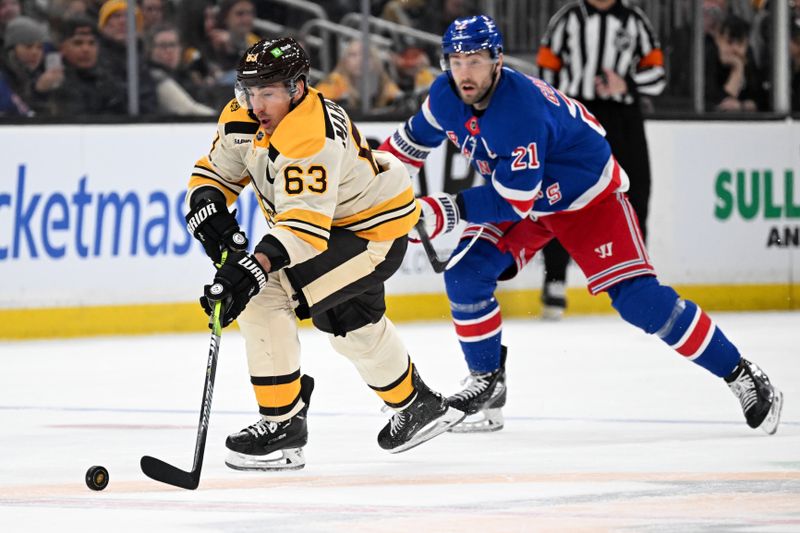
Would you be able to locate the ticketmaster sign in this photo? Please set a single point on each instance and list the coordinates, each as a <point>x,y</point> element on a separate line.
<point>93,215</point>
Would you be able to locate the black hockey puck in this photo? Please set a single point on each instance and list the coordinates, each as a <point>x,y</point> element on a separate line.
<point>97,478</point>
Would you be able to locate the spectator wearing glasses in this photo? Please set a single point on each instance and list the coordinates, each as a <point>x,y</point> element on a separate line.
<point>164,49</point>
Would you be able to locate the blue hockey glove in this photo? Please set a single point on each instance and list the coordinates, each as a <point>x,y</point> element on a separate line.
<point>239,279</point>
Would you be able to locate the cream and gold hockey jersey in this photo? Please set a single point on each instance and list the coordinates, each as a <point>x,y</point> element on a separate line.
<point>314,172</point>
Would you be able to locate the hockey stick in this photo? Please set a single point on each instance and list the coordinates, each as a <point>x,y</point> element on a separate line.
<point>437,264</point>
<point>165,472</point>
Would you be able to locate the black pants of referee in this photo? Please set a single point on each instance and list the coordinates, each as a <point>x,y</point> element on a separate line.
<point>624,127</point>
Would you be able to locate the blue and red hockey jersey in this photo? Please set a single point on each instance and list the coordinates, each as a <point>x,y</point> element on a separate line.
<point>539,151</point>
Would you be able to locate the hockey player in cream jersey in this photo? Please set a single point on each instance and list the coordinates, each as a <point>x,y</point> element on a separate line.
<point>339,215</point>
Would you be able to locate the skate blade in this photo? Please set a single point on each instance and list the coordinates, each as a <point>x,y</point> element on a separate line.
<point>773,418</point>
<point>450,418</point>
<point>289,459</point>
<point>481,422</point>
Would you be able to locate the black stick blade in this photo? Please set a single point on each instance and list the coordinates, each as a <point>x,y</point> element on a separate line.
<point>437,264</point>
<point>166,473</point>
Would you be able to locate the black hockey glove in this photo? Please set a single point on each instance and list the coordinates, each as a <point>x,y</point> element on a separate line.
<point>216,228</point>
<point>237,280</point>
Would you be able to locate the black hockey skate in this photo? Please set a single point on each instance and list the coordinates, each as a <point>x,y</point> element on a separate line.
<point>482,400</point>
<point>427,416</point>
<point>761,401</point>
<point>270,445</point>
<point>554,300</point>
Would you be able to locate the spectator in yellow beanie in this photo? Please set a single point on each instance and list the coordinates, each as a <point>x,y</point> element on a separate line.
<point>113,28</point>
<point>112,18</point>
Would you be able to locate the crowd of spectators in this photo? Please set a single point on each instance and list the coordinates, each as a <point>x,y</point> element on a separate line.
<point>737,55</point>
<point>68,58</point>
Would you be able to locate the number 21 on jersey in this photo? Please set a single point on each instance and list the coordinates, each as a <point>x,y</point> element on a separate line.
<point>525,157</point>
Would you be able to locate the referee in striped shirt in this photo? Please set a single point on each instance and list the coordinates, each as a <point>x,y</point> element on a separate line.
<point>603,53</point>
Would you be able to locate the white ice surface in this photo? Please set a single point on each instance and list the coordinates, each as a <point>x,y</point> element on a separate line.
<point>606,429</point>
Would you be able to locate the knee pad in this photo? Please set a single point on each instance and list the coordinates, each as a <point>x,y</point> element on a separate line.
<point>644,302</point>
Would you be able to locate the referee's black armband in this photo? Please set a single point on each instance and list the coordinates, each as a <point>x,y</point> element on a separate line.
<point>275,252</point>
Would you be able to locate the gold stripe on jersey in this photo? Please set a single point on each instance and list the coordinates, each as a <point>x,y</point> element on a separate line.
<point>214,142</point>
<point>276,395</point>
<point>398,393</point>
<point>204,174</point>
<point>317,242</point>
<point>388,220</point>
<point>309,220</point>
<point>203,168</point>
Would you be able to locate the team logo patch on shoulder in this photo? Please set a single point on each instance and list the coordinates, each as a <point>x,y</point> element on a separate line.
<point>235,106</point>
<point>259,135</point>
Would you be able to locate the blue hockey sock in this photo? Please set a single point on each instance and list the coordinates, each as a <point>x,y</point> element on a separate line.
<point>686,328</point>
<point>479,333</point>
<point>470,285</point>
<point>692,333</point>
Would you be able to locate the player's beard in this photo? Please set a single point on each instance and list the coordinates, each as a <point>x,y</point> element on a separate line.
<point>477,93</point>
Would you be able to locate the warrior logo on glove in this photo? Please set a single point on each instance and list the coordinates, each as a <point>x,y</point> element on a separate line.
<point>236,282</point>
<point>439,214</point>
<point>216,228</point>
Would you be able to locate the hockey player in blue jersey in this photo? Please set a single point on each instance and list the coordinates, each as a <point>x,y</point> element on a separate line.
<point>549,173</point>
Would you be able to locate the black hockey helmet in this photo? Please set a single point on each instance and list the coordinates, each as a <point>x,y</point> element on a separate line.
<point>272,61</point>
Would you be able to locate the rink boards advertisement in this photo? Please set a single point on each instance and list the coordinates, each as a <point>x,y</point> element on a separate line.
<point>91,216</point>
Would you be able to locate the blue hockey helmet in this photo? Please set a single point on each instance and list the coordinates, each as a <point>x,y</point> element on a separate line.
<point>471,34</point>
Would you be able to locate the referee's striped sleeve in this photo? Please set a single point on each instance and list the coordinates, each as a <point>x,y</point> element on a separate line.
<point>548,57</point>
<point>649,75</point>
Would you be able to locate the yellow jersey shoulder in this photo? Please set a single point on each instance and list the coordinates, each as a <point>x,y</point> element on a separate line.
<point>302,132</point>
<point>236,119</point>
